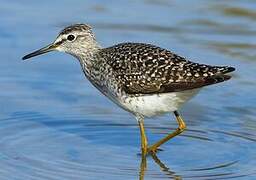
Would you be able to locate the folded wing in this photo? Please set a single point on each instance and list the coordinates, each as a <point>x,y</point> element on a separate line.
<point>145,69</point>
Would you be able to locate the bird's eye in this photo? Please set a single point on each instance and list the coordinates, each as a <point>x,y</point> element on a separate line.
<point>71,37</point>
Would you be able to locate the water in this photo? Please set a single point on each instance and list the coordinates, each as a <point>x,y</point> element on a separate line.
<point>55,125</point>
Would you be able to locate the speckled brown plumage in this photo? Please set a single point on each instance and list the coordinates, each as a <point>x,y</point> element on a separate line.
<point>76,27</point>
<point>143,79</point>
<point>145,69</point>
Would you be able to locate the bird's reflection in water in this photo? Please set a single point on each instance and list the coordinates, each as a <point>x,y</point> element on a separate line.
<point>173,175</point>
<point>163,167</point>
<point>143,167</point>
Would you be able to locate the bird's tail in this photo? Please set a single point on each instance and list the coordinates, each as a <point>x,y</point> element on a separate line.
<point>225,69</point>
<point>220,74</point>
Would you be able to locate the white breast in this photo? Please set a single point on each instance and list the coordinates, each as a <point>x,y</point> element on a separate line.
<point>157,104</point>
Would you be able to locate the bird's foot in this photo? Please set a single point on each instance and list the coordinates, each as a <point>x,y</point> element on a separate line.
<point>148,151</point>
<point>153,150</point>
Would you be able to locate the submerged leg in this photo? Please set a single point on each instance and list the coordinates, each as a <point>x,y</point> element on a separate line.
<point>180,129</point>
<point>144,141</point>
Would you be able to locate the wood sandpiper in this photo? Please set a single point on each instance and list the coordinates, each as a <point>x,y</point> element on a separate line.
<point>143,79</point>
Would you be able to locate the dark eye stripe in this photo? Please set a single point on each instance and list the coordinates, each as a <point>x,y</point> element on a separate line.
<point>63,40</point>
<point>60,42</point>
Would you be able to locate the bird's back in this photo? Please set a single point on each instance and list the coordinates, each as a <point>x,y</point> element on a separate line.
<point>146,69</point>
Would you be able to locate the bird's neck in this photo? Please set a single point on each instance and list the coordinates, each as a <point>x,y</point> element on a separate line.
<point>90,61</point>
<point>86,51</point>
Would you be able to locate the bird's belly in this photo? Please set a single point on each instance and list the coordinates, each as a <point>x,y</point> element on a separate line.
<point>157,104</point>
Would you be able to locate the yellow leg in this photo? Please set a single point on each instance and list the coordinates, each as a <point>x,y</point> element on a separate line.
<point>180,129</point>
<point>144,141</point>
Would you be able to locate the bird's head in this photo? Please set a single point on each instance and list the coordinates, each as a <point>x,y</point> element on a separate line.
<point>77,40</point>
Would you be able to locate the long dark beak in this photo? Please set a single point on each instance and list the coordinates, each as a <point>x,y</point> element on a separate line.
<point>50,47</point>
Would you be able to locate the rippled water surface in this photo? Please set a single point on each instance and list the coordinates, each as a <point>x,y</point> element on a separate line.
<point>55,125</point>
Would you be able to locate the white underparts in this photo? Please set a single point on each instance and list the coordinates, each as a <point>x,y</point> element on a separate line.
<point>157,104</point>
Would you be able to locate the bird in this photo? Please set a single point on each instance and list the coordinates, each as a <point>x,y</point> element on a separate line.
<point>143,79</point>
